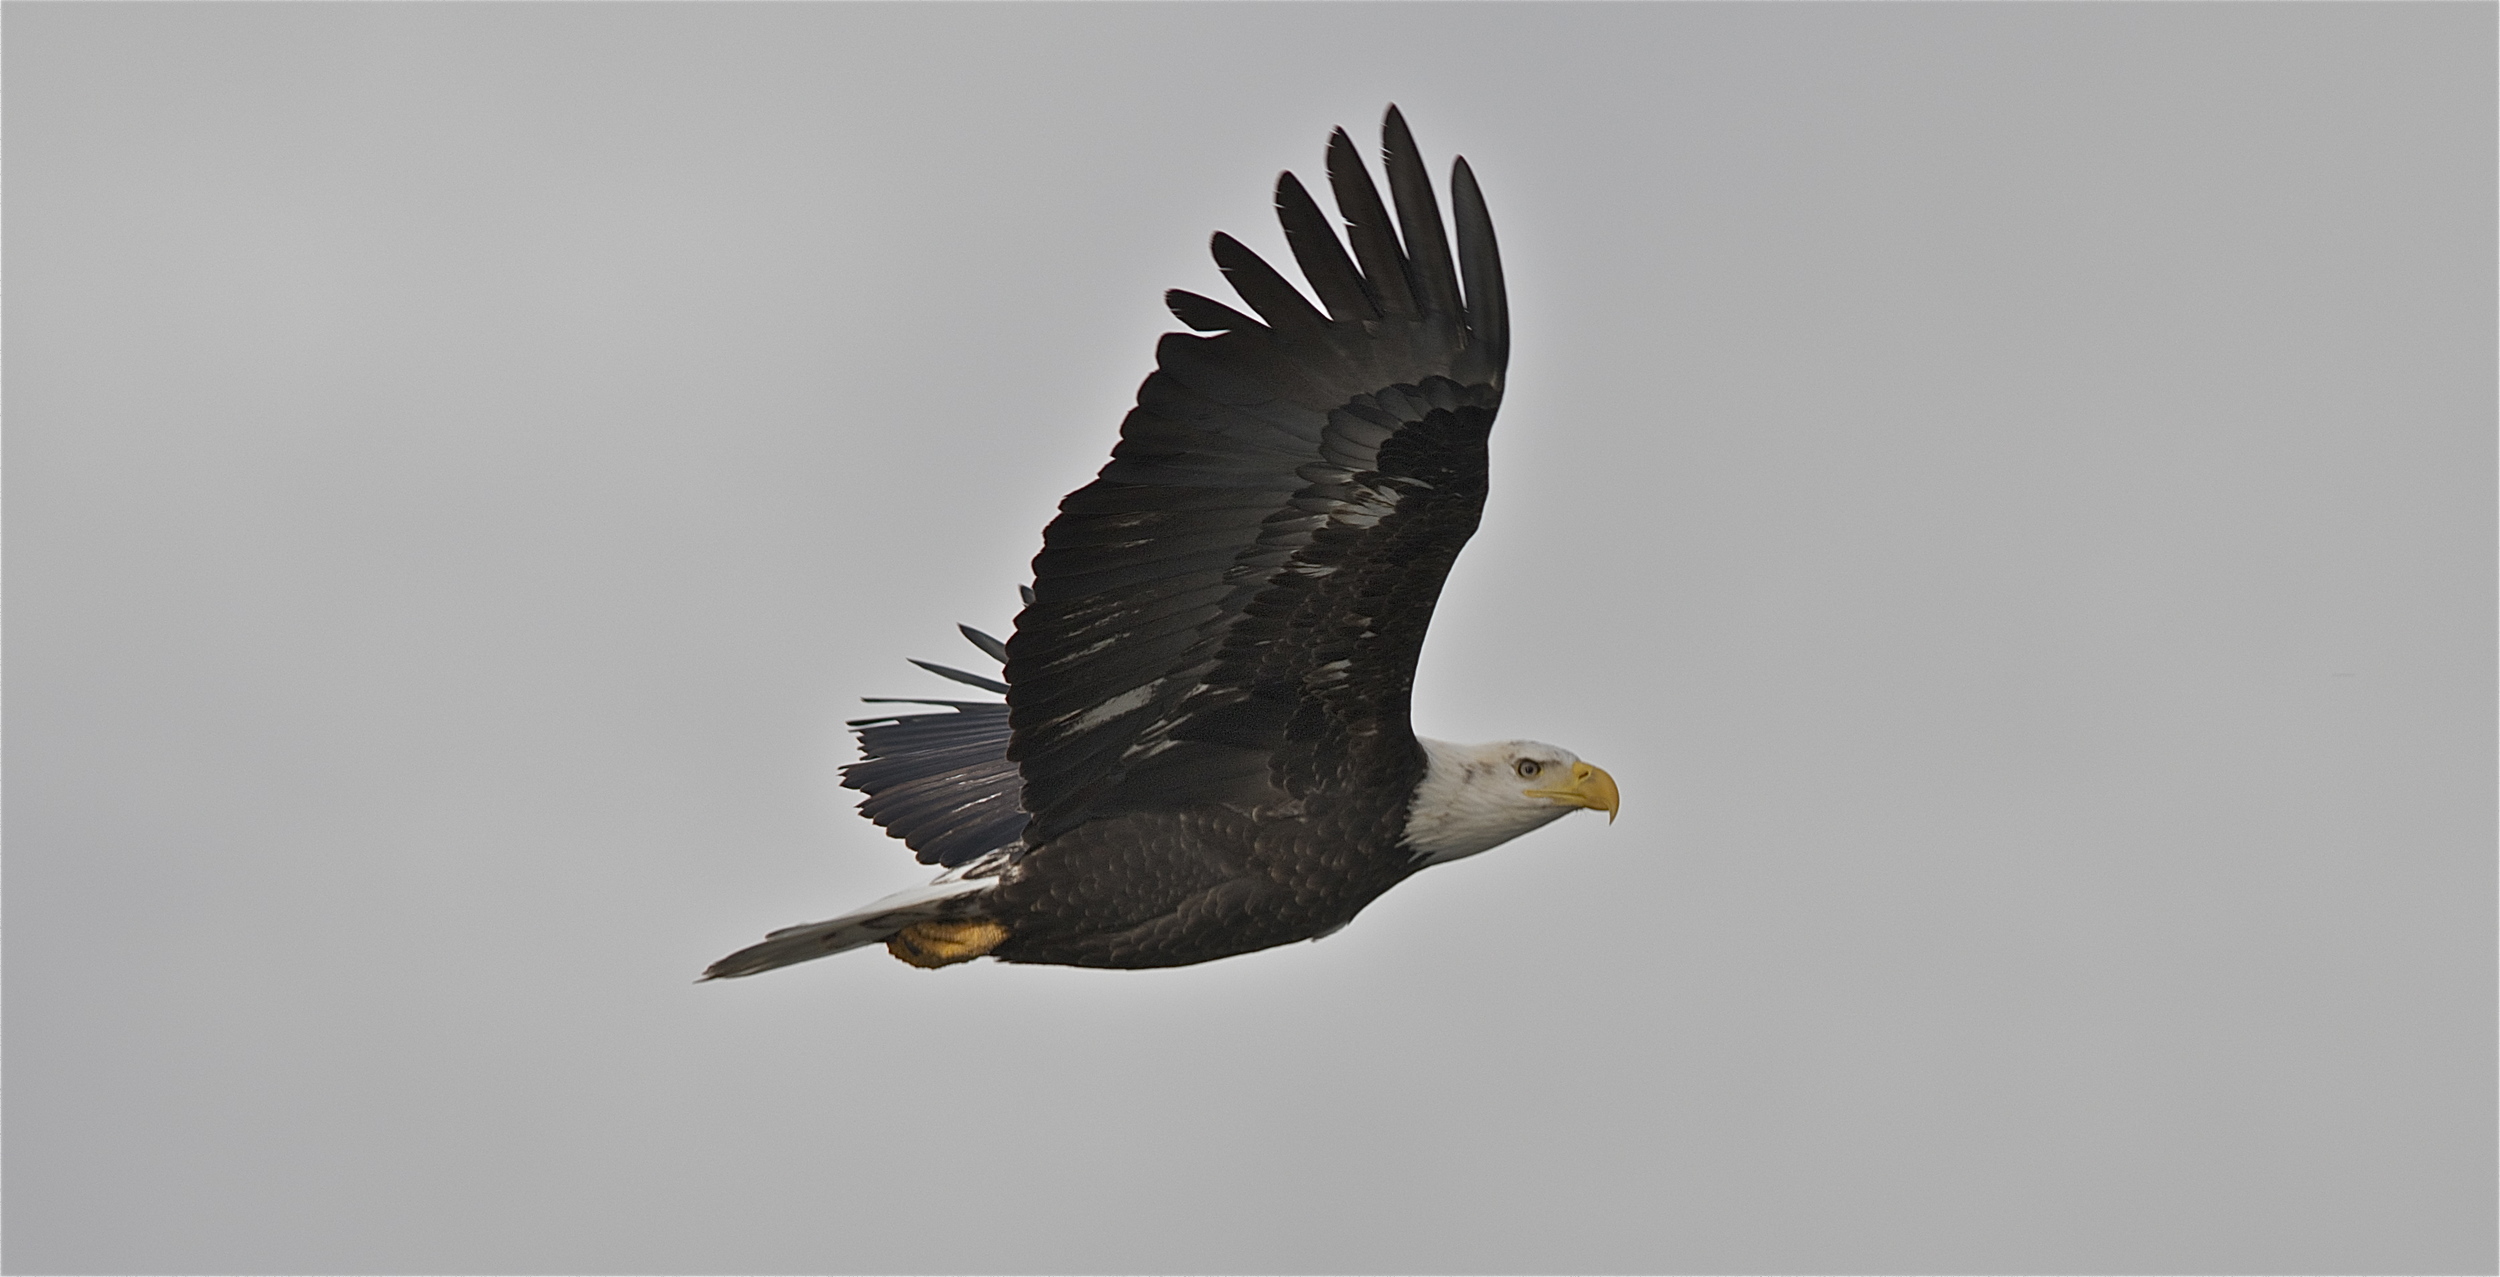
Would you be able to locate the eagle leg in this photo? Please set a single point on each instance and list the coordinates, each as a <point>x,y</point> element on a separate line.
<point>946,941</point>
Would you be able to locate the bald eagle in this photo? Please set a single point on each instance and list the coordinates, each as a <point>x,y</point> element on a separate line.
<point>1204,748</point>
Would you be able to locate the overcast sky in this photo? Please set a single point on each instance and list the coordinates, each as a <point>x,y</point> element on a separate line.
<point>2008,491</point>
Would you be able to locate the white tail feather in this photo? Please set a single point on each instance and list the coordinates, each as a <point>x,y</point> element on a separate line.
<point>952,896</point>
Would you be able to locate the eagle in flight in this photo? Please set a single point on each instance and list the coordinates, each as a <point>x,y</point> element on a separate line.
<point>1204,748</point>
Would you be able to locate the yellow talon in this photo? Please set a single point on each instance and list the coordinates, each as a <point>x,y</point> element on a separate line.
<point>940,944</point>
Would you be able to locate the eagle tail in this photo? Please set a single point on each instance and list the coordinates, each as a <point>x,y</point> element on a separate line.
<point>943,784</point>
<point>952,898</point>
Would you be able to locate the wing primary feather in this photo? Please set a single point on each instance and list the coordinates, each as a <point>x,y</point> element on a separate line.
<point>1367,228</point>
<point>1272,295</point>
<point>1322,258</point>
<point>997,650</point>
<point>1480,258</point>
<point>1205,314</point>
<point>1419,217</point>
<point>972,680</point>
<point>1025,592</point>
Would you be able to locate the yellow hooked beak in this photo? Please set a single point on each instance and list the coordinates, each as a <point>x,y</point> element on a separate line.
<point>1590,787</point>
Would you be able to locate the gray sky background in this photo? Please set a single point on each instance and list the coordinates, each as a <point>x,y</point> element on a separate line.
<point>2007,490</point>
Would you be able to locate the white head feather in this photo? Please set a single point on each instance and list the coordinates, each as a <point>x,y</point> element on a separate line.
<point>1477,797</point>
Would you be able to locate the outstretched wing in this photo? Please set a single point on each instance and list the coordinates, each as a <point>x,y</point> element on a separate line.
<point>1235,606</point>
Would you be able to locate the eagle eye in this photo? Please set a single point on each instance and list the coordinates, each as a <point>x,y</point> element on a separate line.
<point>1528,768</point>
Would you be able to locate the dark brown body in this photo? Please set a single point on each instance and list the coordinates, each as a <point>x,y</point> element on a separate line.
<point>1166,889</point>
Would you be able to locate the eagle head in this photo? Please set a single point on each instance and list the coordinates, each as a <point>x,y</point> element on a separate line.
<point>1477,797</point>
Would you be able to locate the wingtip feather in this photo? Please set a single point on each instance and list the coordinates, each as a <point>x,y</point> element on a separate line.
<point>1419,216</point>
<point>960,676</point>
<point>996,650</point>
<point>1201,314</point>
